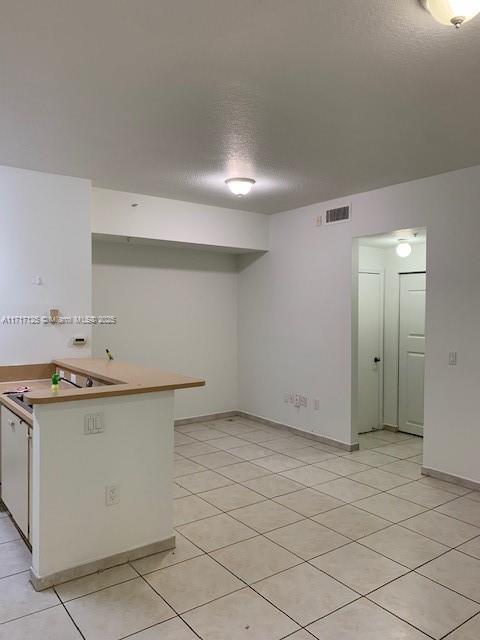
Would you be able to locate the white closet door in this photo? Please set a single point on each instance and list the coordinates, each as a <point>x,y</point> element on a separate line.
<point>411,353</point>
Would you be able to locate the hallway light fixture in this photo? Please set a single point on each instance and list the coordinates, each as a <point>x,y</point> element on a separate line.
<point>240,186</point>
<point>404,249</point>
<point>452,12</point>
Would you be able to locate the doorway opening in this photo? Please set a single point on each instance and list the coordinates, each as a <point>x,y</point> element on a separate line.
<point>388,358</point>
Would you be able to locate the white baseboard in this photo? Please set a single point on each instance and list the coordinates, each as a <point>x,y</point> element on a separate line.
<point>449,477</point>
<point>346,446</point>
<point>44,582</point>
<point>205,418</point>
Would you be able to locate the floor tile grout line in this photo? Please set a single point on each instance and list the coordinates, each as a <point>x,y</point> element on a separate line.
<point>248,586</point>
<point>402,524</point>
<point>408,571</point>
<point>177,614</point>
<point>108,586</point>
<point>374,603</point>
<point>415,570</point>
<point>426,509</point>
<point>152,626</point>
<point>32,613</point>
<point>449,634</point>
<point>477,602</point>
<point>395,615</point>
<point>397,561</point>
<point>75,624</point>
<point>210,555</point>
<point>245,585</point>
<point>362,595</point>
<point>17,573</point>
<point>469,555</point>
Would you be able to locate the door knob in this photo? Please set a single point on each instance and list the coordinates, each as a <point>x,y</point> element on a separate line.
<point>377,360</point>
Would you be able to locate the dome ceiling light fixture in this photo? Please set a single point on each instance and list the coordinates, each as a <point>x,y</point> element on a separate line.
<point>452,12</point>
<point>240,186</point>
<point>404,248</point>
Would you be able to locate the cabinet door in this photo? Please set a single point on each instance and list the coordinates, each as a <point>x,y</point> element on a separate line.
<point>30,480</point>
<point>15,468</point>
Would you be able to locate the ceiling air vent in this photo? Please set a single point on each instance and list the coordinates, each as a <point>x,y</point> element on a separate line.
<point>340,214</point>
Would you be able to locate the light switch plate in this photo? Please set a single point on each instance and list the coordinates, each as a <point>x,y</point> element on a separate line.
<point>94,423</point>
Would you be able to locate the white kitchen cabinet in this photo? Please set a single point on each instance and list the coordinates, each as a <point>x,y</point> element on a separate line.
<point>15,453</point>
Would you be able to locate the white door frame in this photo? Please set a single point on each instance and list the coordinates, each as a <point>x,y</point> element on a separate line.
<point>380,271</point>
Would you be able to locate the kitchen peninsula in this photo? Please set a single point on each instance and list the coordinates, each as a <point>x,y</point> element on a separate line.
<point>95,488</point>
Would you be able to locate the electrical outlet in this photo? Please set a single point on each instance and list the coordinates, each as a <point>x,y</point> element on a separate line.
<point>73,378</point>
<point>112,494</point>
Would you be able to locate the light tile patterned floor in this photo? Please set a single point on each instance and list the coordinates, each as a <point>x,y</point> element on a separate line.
<point>278,536</point>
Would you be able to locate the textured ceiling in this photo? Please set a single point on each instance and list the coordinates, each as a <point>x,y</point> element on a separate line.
<point>388,240</point>
<point>313,98</point>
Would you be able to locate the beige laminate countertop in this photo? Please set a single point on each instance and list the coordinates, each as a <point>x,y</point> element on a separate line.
<point>120,379</point>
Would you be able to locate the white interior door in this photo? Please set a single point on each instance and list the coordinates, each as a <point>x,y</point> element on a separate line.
<point>411,353</point>
<point>370,350</point>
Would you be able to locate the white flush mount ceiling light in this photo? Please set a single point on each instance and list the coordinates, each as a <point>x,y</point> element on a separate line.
<point>404,249</point>
<point>452,12</point>
<point>240,186</point>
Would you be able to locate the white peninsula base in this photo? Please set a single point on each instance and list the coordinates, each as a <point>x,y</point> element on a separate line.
<point>76,475</point>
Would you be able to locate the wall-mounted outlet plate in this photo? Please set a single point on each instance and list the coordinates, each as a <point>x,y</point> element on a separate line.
<point>112,494</point>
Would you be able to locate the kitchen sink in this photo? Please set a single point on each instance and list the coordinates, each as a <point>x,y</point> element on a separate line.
<point>20,400</point>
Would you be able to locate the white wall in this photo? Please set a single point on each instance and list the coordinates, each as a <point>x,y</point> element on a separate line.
<point>392,265</point>
<point>177,311</point>
<point>295,305</point>
<point>44,231</point>
<point>176,221</point>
